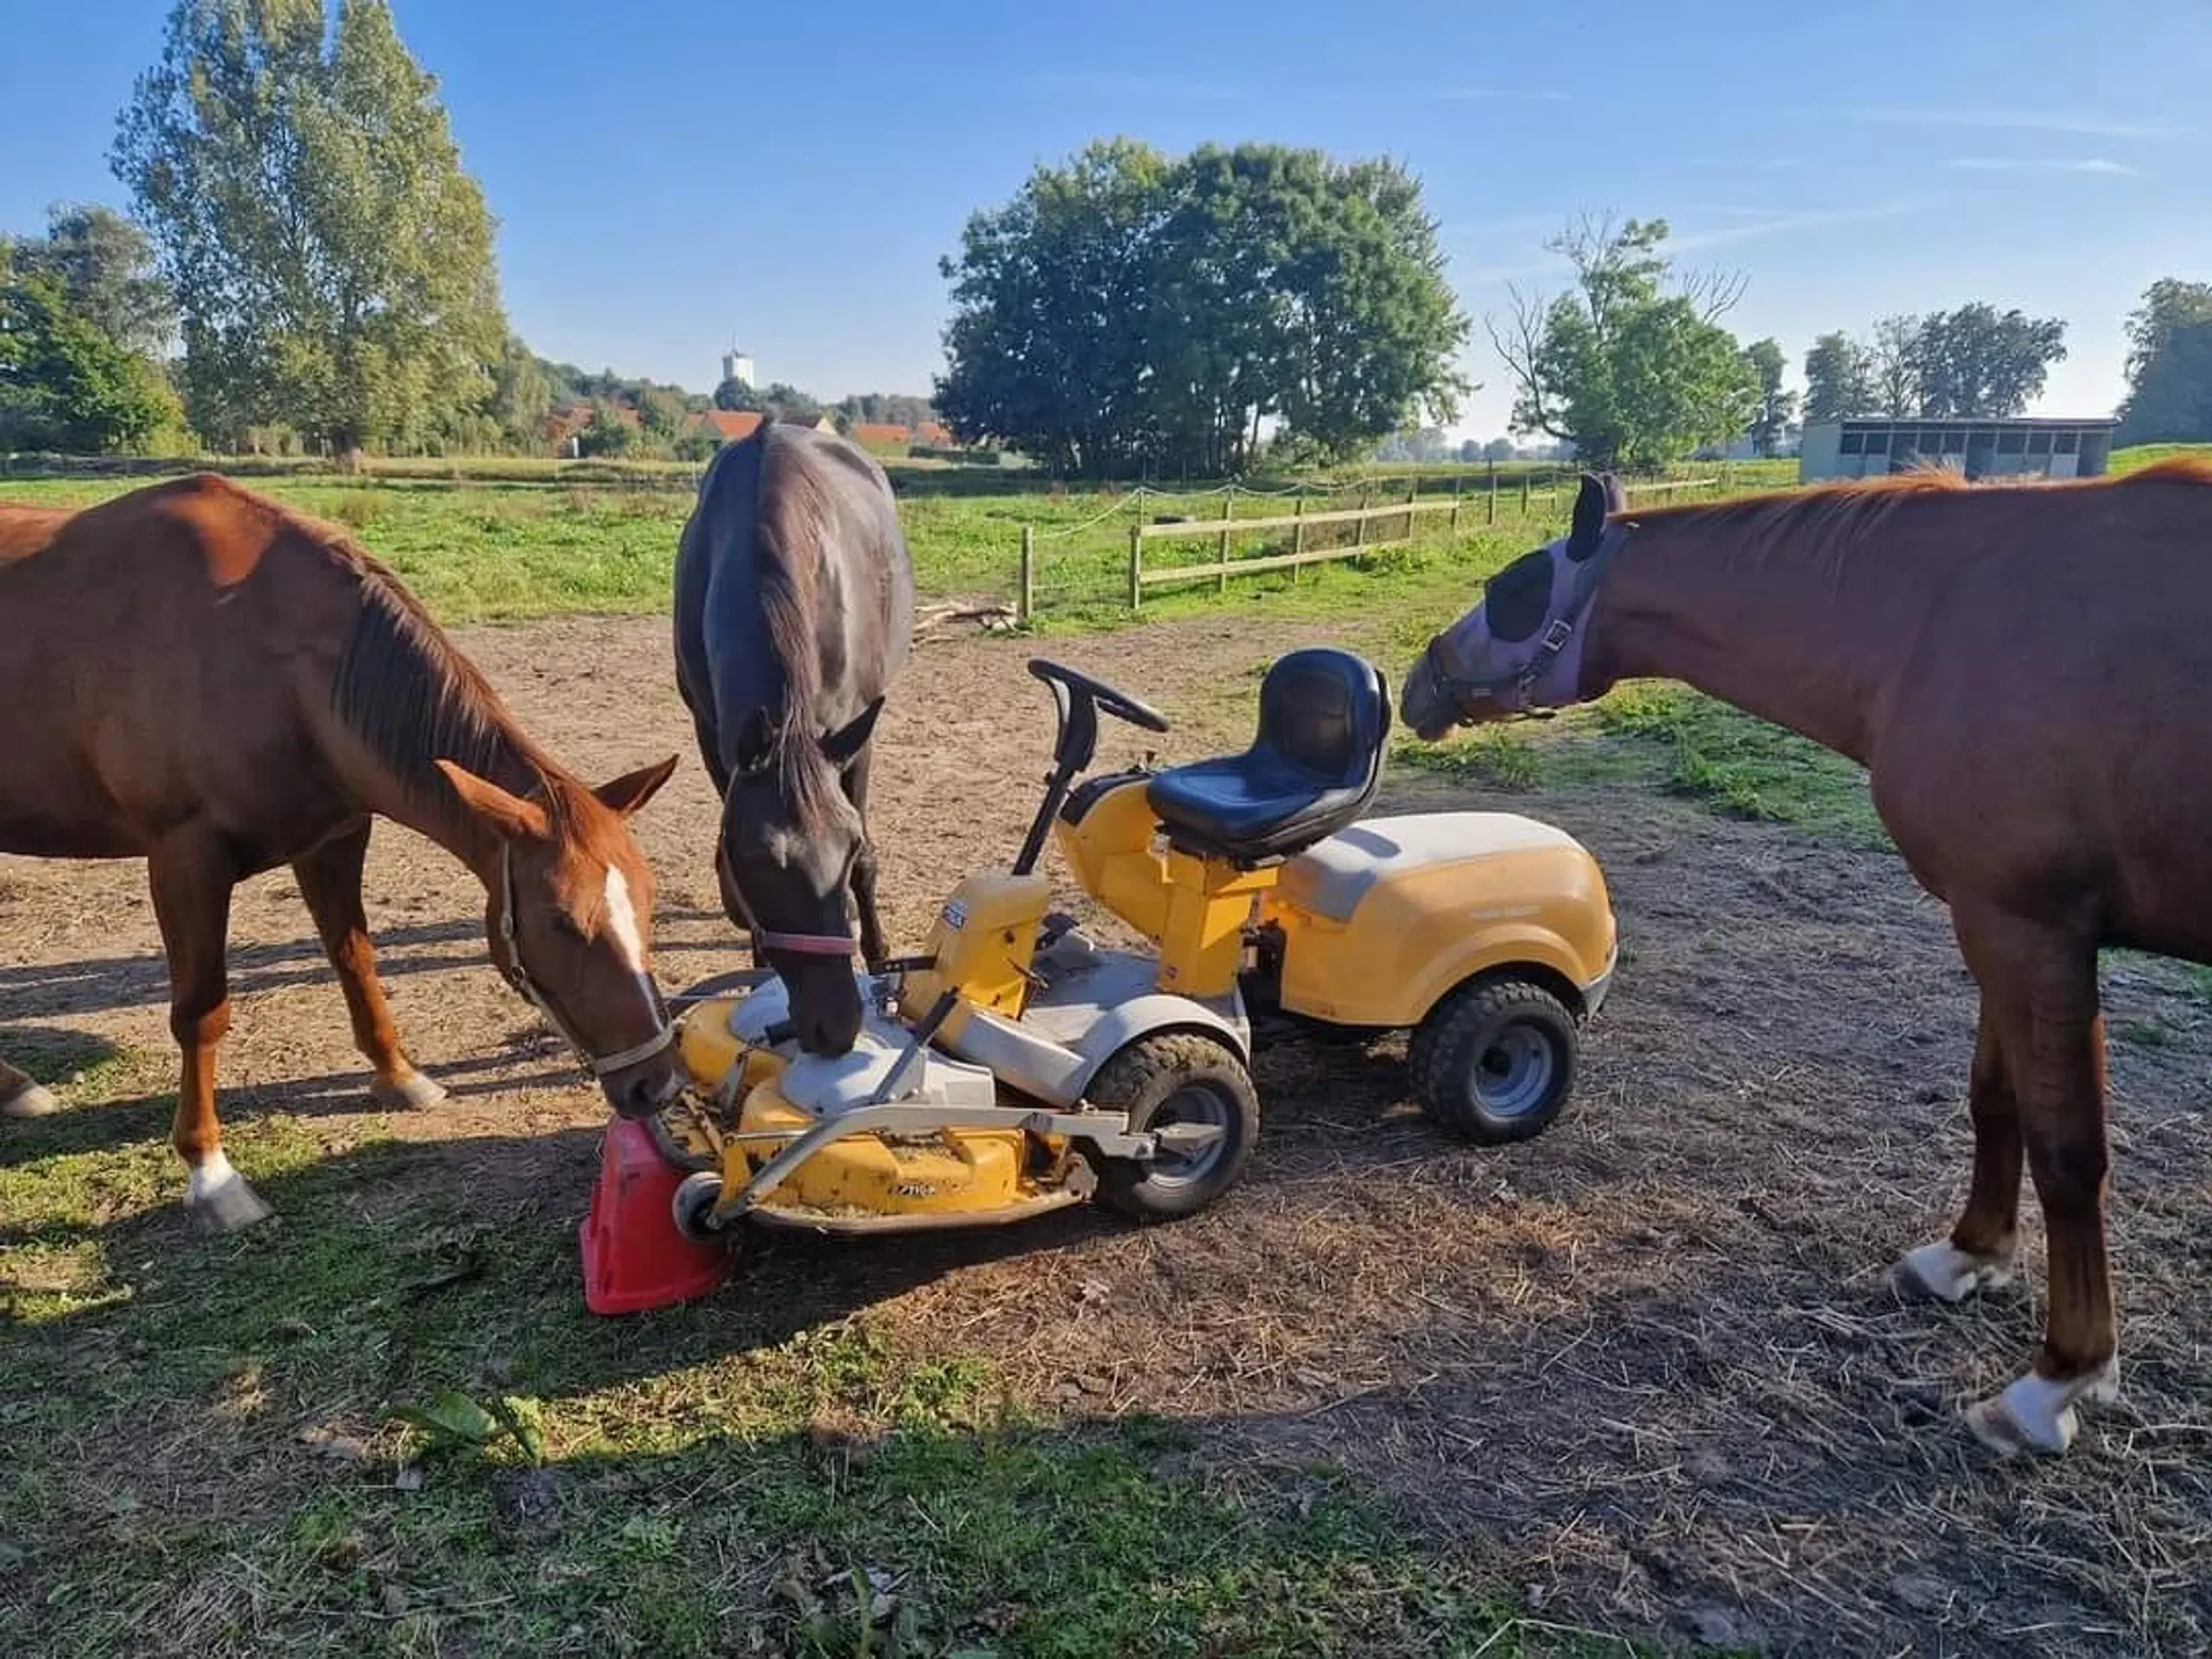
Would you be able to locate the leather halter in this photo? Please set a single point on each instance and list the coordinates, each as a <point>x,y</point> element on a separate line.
<point>1558,633</point>
<point>515,974</point>
<point>807,944</point>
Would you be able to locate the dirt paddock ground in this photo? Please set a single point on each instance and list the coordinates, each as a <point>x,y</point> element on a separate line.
<point>1648,1368</point>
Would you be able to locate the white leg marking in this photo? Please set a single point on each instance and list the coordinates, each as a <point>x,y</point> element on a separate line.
<point>2037,1414</point>
<point>1949,1273</point>
<point>219,1196</point>
<point>622,922</point>
<point>208,1177</point>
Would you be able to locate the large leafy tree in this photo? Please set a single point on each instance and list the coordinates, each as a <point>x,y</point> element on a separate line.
<point>1131,310</point>
<point>65,385</point>
<point>2170,366</point>
<point>103,266</point>
<point>330,258</point>
<point>1631,366</point>
<point>1838,380</point>
<point>1978,363</point>
<point>1776,406</point>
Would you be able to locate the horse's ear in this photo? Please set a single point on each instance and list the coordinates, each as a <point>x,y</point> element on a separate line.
<point>511,816</point>
<point>1591,503</point>
<point>626,794</point>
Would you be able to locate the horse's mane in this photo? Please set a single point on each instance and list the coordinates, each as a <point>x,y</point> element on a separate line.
<point>794,519</point>
<point>412,699</point>
<point>1832,516</point>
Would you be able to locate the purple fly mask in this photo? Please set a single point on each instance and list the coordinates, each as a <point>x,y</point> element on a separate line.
<point>1520,651</point>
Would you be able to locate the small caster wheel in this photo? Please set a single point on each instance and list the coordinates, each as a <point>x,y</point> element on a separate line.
<point>695,1199</point>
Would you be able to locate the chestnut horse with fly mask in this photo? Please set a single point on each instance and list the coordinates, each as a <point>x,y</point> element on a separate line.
<point>2022,670</point>
<point>192,675</point>
<point>794,613</point>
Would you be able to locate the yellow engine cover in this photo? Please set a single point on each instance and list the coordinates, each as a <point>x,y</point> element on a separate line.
<point>1379,926</point>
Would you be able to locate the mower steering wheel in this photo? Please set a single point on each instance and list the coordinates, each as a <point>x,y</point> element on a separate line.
<point>1119,704</point>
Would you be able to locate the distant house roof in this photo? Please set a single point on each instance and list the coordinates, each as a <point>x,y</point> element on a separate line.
<point>819,422</point>
<point>2016,423</point>
<point>936,433</point>
<point>870,432</point>
<point>729,424</point>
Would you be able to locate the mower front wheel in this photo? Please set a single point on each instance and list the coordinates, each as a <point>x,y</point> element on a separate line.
<point>1178,1079</point>
<point>694,1199</point>
<point>1495,1061</point>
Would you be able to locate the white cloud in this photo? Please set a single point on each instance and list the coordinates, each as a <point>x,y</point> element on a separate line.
<point>1783,222</point>
<point>2091,164</point>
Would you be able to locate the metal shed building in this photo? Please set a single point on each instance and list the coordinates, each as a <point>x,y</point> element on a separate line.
<point>1866,445</point>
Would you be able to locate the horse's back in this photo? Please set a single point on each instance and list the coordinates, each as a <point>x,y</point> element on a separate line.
<point>150,655</point>
<point>788,495</point>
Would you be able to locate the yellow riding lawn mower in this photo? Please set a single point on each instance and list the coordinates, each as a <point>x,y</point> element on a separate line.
<point>1017,1065</point>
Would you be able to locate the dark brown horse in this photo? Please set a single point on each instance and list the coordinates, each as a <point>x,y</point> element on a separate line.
<point>794,613</point>
<point>192,675</point>
<point>2021,669</point>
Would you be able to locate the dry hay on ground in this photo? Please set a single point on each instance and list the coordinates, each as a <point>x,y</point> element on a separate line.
<point>1647,1367</point>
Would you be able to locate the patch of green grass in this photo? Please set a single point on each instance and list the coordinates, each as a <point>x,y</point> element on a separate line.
<point>2138,456</point>
<point>1498,756</point>
<point>199,1452</point>
<point>1743,767</point>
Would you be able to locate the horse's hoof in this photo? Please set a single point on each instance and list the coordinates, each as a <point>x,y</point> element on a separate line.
<point>416,1093</point>
<point>2037,1414</point>
<point>219,1196</point>
<point>30,1100</point>
<point>1947,1273</point>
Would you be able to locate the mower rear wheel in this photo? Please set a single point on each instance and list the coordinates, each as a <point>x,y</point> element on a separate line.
<point>1176,1079</point>
<point>1495,1061</point>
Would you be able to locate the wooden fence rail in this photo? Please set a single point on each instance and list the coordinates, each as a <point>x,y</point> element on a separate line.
<point>1141,580</point>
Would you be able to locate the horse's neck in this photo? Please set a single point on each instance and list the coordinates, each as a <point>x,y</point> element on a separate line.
<point>1794,632</point>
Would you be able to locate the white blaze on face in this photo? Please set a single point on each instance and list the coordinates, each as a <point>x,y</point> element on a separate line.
<point>622,922</point>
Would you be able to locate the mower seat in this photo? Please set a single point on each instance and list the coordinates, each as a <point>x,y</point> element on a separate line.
<point>1312,768</point>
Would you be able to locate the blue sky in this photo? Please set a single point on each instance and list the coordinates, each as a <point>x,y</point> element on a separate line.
<point>672,174</point>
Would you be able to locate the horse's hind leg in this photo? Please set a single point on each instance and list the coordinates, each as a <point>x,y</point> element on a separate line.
<point>330,885</point>
<point>2039,986</point>
<point>21,1097</point>
<point>1978,1253</point>
<point>873,951</point>
<point>191,880</point>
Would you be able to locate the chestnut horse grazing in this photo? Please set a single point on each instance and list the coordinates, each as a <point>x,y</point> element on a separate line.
<point>192,675</point>
<point>2021,669</point>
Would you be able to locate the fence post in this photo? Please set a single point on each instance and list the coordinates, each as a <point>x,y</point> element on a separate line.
<point>1413,519</point>
<point>1136,566</point>
<point>1228,512</point>
<point>1459,483</point>
<point>1025,599</point>
<point>1297,536</point>
<point>1359,527</point>
<point>1524,495</point>
<point>1493,490</point>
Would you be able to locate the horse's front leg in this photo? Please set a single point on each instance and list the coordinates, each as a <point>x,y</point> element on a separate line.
<point>192,878</point>
<point>1978,1253</point>
<point>874,951</point>
<point>2039,985</point>
<point>21,1097</point>
<point>330,886</point>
